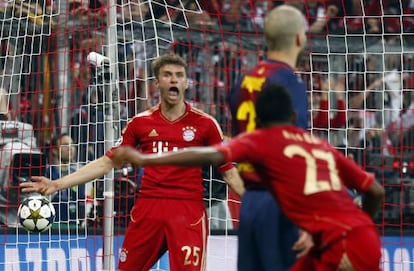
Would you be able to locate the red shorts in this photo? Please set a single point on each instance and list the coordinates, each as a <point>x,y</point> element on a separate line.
<point>361,245</point>
<point>158,225</point>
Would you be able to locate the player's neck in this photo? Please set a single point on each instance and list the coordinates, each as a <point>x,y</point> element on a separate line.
<point>274,124</point>
<point>282,56</point>
<point>172,111</point>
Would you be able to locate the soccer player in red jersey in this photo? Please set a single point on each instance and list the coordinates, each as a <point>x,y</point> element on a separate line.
<point>169,213</point>
<point>309,179</point>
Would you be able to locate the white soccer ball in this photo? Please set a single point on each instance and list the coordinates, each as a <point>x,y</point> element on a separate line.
<point>36,214</point>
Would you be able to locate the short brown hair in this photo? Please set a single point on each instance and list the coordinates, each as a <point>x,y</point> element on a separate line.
<point>166,60</point>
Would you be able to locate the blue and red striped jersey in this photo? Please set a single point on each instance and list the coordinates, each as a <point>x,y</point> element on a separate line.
<point>243,97</point>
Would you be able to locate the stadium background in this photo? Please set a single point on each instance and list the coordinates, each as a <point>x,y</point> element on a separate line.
<point>359,51</point>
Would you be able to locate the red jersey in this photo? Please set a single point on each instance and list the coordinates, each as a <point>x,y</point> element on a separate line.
<point>307,176</point>
<point>150,132</point>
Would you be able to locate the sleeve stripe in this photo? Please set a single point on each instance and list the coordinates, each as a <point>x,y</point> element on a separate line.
<point>368,181</point>
<point>204,114</point>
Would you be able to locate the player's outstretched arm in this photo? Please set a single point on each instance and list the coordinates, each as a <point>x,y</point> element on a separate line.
<point>85,174</point>
<point>373,198</point>
<point>194,156</point>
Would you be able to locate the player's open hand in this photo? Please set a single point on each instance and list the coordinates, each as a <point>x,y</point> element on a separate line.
<point>303,244</point>
<point>39,184</point>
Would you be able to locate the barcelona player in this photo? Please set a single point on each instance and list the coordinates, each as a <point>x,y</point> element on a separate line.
<point>266,237</point>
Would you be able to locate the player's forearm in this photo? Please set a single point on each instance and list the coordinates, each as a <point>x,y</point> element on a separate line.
<point>195,156</point>
<point>89,172</point>
<point>233,179</point>
<point>372,200</point>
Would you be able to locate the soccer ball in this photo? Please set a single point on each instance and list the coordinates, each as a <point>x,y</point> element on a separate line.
<point>36,214</point>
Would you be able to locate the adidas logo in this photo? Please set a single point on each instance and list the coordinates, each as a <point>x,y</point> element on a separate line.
<point>153,133</point>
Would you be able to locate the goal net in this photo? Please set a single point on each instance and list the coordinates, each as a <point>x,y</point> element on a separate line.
<point>81,69</point>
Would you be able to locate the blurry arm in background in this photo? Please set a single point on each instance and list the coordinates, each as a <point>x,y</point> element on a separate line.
<point>322,117</point>
<point>320,23</point>
<point>357,100</point>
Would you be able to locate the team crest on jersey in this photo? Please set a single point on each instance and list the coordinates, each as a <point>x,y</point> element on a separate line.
<point>123,255</point>
<point>189,133</point>
<point>261,71</point>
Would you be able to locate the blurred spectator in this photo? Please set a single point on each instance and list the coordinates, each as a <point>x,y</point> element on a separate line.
<point>385,8</point>
<point>179,12</point>
<point>89,15</point>
<point>393,102</point>
<point>329,111</point>
<point>373,140</point>
<point>3,5</point>
<point>393,83</point>
<point>211,12</point>
<point>174,11</point>
<point>384,16</point>
<point>127,181</point>
<point>164,13</point>
<point>82,43</point>
<point>20,159</point>
<point>87,126</point>
<point>357,99</point>
<point>38,12</point>
<point>70,204</point>
<point>4,104</point>
<point>252,12</point>
<point>90,12</point>
<point>359,118</point>
<point>354,21</point>
<point>373,144</point>
<point>367,142</point>
<point>322,16</point>
<point>373,25</point>
<point>215,12</point>
<point>401,131</point>
<point>323,114</point>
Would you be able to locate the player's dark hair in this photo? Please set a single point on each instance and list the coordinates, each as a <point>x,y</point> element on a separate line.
<point>274,105</point>
<point>167,59</point>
